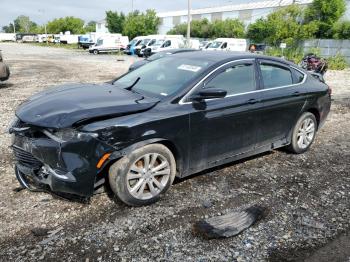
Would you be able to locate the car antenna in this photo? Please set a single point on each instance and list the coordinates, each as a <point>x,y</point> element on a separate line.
<point>134,84</point>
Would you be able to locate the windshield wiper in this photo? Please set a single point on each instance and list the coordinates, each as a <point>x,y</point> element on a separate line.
<point>134,84</point>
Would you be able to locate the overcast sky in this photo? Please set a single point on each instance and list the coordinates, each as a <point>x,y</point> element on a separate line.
<point>91,9</point>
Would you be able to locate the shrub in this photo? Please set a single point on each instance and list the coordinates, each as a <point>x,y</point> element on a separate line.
<point>337,62</point>
<point>294,55</point>
<point>342,30</point>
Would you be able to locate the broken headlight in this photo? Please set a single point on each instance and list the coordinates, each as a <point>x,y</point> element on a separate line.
<point>68,134</point>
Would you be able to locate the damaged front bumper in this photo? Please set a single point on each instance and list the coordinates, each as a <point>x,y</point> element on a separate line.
<point>65,166</point>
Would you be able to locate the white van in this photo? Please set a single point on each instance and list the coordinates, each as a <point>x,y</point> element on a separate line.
<point>148,42</point>
<point>170,42</point>
<point>109,44</point>
<point>131,47</point>
<point>229,44</point>
<point>194,43</point>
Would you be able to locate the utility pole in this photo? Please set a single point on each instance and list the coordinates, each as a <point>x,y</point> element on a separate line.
<point>132,6</point>
<point>47,41</point>
<point>43,12</point>
<point>189,23</point>
<point>14,27</point>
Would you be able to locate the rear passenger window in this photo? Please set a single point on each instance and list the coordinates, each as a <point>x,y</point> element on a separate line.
<point>275,76</point>
<point>299,76</point>
<point>235,79</point>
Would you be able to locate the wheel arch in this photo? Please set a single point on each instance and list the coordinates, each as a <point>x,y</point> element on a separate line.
<point>316,113</point>
<point>167,143</point>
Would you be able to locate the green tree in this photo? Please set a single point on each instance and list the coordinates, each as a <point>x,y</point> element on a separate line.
<point>90,27</point>
<point>199,28</point>
<point>205,29</point>
<point>326,13</point>
<point>341,30</point>
<point>285,25</point>
<point>115,21</point>
<point>231,28</point>
<point>69,23</point>
<point>8,28</point>
<point>181,29</point>
<point>137,23</point>
<point>259,31</point>
<point>23,24</point>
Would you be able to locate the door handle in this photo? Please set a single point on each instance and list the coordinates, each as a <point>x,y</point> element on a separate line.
<point>252,101</point>
<point>297,93</point>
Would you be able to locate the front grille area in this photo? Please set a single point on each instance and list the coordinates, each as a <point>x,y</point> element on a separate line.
<point>25,158</point>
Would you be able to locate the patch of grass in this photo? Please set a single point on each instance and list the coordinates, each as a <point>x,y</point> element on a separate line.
<point>66,46</point>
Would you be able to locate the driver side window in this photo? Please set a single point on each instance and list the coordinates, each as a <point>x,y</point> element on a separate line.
<point>236,79</point>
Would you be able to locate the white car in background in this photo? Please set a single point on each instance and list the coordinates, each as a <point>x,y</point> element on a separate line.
<point>148,43</point>
<point>169,43</point>
<point>228,44</point>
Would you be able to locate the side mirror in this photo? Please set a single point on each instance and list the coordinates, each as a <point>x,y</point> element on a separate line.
<point>209,93</point>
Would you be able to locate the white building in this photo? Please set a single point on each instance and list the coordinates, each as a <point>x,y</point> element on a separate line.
<point>101,27</point>
<point>247,13</point>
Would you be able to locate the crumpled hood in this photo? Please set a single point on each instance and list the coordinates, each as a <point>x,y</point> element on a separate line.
<point>63,106</point>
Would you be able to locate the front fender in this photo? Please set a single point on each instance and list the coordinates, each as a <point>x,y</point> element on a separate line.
<point>119,154</point>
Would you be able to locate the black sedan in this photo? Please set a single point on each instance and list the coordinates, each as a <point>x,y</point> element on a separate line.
<point>173,117</point>
<point>158,56</point>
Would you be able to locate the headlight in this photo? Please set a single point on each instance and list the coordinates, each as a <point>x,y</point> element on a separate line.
<point>65,135</point>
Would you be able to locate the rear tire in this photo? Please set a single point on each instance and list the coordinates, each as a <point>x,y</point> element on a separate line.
<point>303,134</point>
<point>144,175</point>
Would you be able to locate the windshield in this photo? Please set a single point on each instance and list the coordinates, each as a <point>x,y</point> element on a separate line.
<point>152,42</point>
<point>99,42</point>
<point>215,44</point>
<point>144,42</point>
<point>159,42</point>
<point>163,77</point>
<point>132,42</point>
<point>208,45</point>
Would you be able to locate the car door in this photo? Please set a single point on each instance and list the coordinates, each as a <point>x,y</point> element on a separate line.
<point>283,98</point>
<point>221,128</point>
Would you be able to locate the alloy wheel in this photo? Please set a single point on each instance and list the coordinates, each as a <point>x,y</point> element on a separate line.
<point>148,176</point>
<point>306,133</point>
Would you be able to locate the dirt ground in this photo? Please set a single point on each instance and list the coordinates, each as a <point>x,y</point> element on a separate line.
<point>307,196</point>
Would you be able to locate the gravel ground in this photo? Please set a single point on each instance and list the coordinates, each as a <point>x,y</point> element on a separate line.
<point>307,196</point>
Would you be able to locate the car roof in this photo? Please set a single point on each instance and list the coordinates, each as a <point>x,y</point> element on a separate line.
<point>218,56</point>
<point>182,50</point>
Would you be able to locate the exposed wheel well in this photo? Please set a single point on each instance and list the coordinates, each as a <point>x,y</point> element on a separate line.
<point>315,112</point>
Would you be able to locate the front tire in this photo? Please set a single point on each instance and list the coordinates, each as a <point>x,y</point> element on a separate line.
<point>95,52</point>
<point>141,177</point>
<point>303,134</point>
